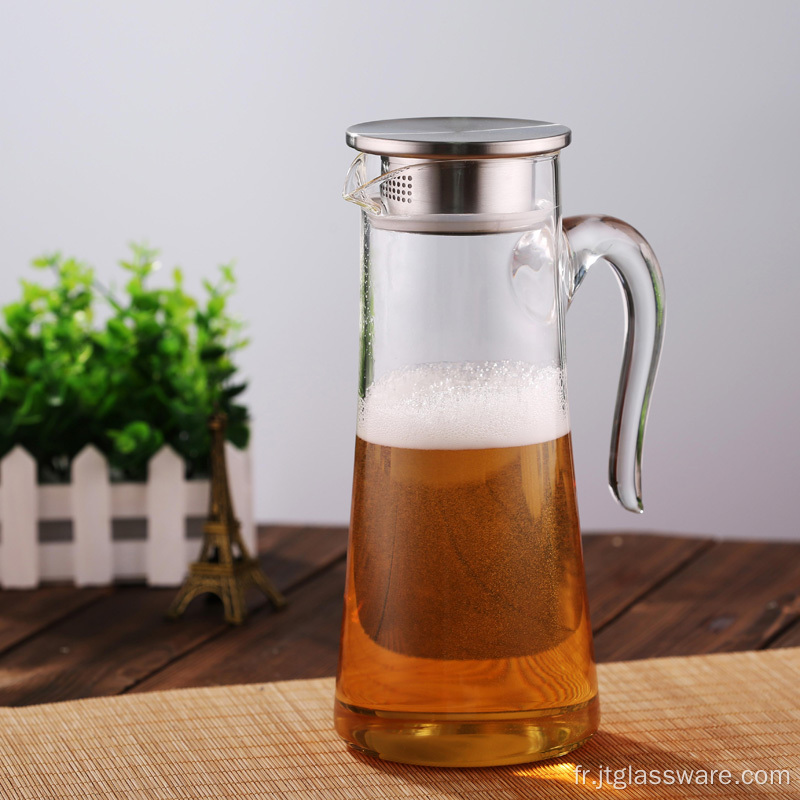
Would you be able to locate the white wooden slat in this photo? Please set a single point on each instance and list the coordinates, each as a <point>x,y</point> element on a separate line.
<point>19,568</point>
<point>241,486</point>
<point>55,502</point>
<point>128,500</point>
<point>130,559</point>
<point>91,515</point>
<point>56,561</point>
<point>197,498</point>
<point>166,514</point>
<point>91,502</point>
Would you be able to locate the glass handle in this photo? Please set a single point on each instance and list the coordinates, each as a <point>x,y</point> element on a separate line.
<point>593,238</point>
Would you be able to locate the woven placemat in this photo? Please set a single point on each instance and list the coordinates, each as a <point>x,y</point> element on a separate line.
<point>725,712</point>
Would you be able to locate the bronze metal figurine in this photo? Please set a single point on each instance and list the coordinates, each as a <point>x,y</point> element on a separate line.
<point>225,567</point>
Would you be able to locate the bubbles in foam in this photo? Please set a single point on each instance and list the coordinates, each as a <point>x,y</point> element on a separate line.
<point>465,406</point>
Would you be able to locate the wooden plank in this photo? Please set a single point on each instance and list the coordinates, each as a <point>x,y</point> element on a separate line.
<point>621,568</point>
<point>112,645</point>
<point>24,613</point>
<point>139,651</point>
<point>733,597</point>
<point>301,642</point>
<point>787,611</point>
<point>791,636</point>
<point>288,550</point>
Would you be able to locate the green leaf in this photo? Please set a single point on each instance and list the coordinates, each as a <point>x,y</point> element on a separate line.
<point>238,435</point>
<point>227,273</point>
<point>234,390</point>
<point>212,353</point>
<point>46,261</point>
<point>127,373</point>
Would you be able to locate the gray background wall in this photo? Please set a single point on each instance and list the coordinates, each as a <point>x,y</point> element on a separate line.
<point>215,130</point>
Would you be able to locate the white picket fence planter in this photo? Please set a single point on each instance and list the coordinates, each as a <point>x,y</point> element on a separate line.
<point>92,504</point>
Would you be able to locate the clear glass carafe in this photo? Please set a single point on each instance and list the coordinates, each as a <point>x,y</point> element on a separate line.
<point>466,638</point>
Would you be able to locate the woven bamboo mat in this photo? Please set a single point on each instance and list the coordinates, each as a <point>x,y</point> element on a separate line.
<point>725,712</point>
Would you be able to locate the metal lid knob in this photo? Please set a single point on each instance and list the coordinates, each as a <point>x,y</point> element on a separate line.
<point>458,137</point>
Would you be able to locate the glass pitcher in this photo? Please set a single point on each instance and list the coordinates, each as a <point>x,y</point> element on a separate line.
<point>466,638</point>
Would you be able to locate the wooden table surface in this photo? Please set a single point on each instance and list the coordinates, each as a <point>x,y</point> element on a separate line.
<point>650,595</point>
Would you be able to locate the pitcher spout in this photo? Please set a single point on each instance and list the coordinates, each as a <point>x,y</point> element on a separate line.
<point>357,185</point>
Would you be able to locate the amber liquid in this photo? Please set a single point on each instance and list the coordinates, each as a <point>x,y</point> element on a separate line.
<point>466,638</point>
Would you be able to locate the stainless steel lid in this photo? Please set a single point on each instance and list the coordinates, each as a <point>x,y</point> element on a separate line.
<point>458,137</point>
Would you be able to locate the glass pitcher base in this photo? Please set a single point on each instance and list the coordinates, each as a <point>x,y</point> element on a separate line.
<point>467,740</point>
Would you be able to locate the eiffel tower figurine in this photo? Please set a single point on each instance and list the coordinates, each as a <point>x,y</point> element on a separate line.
<point>220,570</point>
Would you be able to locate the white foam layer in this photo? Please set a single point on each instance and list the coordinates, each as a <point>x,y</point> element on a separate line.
<point>467,406</point>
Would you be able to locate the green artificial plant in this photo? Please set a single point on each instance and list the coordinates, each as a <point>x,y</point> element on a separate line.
<point>127,373</point>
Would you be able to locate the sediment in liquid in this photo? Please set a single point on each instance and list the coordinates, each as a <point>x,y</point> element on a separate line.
<point>464,537</point>
<point>465,637</point>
